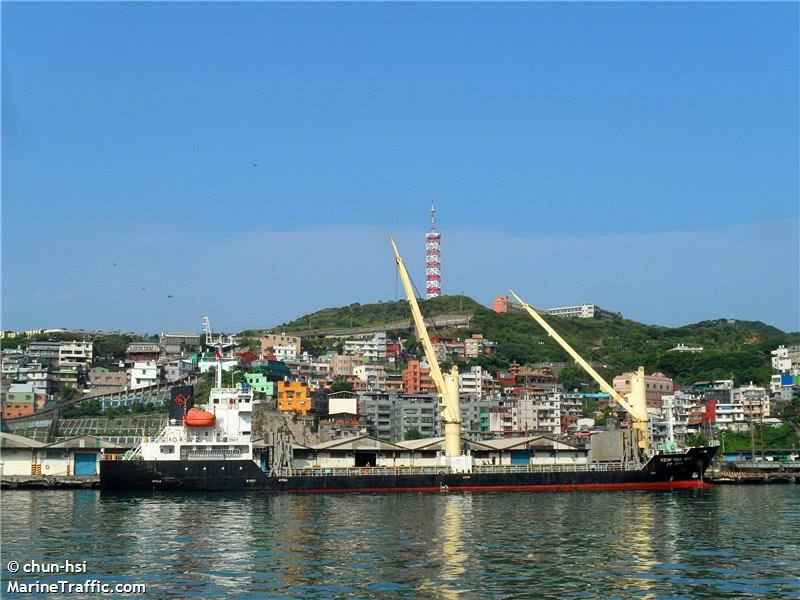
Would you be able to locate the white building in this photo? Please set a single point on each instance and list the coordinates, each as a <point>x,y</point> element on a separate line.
<point>685,348</point>
<point>144,374</point>
<point>669,423</point>
<point>177,369</point>
<point>372,376</point>
<point>730,415</point>
<point>754,400</point>
<point>285,351</point>
<point>474,382</point>
<point>373,350</point>
<point>76,352</point>
<point>582,311</point>
<point>784,359</point>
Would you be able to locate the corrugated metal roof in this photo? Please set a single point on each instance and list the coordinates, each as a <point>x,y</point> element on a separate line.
<point>84,441</point>
<point>361,442</point>
<point>12,440</point>
<point>533,441</point>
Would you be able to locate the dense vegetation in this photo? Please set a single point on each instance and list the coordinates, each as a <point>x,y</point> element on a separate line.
<point>381,313</point>
<point>732,349</point>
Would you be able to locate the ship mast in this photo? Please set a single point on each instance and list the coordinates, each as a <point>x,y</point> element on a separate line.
<point>446,385</point>
<point>219,344</point>
<point>634,402</point>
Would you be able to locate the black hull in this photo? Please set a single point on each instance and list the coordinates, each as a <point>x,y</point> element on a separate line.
<point>661,471</point>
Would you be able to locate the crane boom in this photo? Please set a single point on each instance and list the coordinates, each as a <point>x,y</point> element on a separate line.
<point>446,385</point>
<point>634,403</point>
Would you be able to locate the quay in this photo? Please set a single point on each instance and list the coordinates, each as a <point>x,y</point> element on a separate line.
<point>754,472</point>
<point>49,482</point>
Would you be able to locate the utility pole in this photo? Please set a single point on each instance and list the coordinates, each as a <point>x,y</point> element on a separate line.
<point>752,440</point>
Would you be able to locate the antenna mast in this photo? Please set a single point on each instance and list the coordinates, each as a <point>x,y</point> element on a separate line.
<point>433,259</point>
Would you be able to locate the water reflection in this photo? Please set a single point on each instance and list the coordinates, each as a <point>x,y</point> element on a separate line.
<point>730,542</point>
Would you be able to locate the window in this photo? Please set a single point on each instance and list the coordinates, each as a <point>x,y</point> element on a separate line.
<point>167,449</point>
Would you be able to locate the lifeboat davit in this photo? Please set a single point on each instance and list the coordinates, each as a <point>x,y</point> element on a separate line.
<point>199,418</point>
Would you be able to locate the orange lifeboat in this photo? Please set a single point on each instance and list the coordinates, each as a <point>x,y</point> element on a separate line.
<point>199,418</point>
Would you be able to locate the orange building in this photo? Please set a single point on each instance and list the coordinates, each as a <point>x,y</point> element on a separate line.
<point>293,397</point>
<point>504,304</point>
<point>416,379</point>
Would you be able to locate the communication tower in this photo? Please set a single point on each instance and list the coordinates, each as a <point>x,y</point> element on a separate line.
<point>433,263</point>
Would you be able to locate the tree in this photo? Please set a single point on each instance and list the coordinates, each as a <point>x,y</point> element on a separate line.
<point>698,439</point>
<point>341,386</point>
<point>68,392</point>
<point>412,433</point>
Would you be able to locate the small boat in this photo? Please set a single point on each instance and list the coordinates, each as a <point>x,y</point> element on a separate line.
<point>199,418</point>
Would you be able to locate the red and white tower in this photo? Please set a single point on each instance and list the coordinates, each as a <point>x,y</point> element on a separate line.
<point>433,264</point>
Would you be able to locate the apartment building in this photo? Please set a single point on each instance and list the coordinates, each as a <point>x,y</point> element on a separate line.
<point>270,340</point>
<point>656,386</point>
<point>372,350</point>
<point>293,396</point>
<point>76,353</point>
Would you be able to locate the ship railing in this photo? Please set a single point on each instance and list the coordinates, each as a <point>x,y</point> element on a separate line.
<point>353,471</point>
<point>441,470</point>
<point>212,453</point>
<point>566,468</point>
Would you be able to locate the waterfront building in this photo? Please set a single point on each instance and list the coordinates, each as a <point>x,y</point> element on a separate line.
<point>73,456</point>
<point>656,386</point>
<point>583,311</point>
<point>293,396</point>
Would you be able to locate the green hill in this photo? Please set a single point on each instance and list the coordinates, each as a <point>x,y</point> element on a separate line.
<point>732,348</point>
<point>381,313</point>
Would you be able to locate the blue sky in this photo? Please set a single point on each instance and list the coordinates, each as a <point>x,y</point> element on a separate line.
<point>640,156</point>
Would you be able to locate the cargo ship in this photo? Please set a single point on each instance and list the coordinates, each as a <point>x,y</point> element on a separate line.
<point>210,448</point>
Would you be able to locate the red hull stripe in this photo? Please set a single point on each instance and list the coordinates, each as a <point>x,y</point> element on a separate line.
<point>567,487</point>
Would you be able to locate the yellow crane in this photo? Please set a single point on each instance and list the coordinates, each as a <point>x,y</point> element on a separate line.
<point>446,385</point>
<point>634,402</point>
